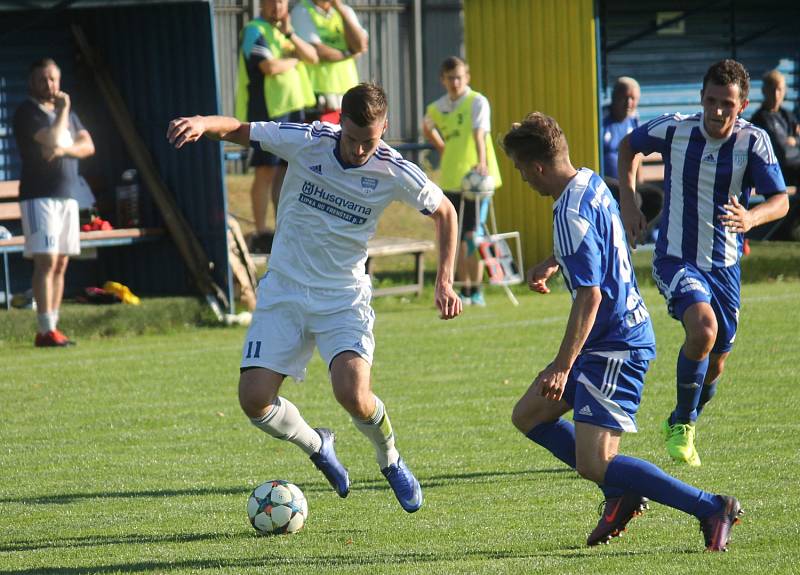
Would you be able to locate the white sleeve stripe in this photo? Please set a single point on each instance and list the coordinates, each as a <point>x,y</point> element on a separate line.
<point>762,147</point>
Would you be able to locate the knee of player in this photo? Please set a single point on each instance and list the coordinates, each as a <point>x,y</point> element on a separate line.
<point>700,339</point>
<point>254,399</point>
<point>523,417</point>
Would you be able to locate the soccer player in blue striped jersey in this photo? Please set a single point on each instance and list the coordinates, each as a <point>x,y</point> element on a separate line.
<point>712,161</point>
<point>599,369</point>
<point>316,292</point>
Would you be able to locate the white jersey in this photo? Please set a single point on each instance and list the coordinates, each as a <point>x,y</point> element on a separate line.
<point>329,209</point>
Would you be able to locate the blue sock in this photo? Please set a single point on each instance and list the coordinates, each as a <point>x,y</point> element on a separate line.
<point>709,390</point>
<point>558,437</point>
<point>640,476</point>
<point>690,376</point>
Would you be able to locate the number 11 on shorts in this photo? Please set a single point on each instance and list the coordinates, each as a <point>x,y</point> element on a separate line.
<point>253,353</point>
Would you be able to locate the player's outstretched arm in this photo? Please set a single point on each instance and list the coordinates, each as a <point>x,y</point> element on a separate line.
<point>446,220</point>
<point>538,275</point>
<point>633,219</point>
<point>183,131</point>
<point>741,220</point>
<point>553,378</point>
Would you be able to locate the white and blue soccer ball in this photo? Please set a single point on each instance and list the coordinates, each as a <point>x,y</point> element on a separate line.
<point>277,507</point>
<point>476,183</point>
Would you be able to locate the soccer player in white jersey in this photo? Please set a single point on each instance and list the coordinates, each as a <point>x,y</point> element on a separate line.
<point>600,366</point>
<point>712,161</point>
<point>316,291</point>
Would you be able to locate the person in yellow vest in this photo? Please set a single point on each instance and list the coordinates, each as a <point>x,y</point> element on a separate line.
<point>458,125</point>
<point>273,85</point>
<point>333,29</point>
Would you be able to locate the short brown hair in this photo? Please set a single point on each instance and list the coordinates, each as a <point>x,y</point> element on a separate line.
<point>365,104</point>
<point>538,138</point>
<point>451,63</point>
<point>42,63</point>
<point>726,73</point>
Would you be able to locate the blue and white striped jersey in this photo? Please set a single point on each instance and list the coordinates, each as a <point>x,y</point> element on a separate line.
<point>590,246</point>
<point>329,209</point>
<point>700,175</point>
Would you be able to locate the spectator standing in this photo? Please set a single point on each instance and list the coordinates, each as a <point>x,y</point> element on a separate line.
<point>51,140</point>
<point>459,125</point>
<point>333,29</point>
<point>272,85</point>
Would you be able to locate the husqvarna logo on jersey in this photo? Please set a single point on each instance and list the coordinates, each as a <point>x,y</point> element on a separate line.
<point>348,210</point>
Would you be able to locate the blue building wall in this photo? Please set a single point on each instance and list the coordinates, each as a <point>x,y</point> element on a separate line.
<point>161,57</point>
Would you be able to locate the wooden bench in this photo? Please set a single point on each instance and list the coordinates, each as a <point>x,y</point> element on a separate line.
<point>378,247</point>
<point>10,212</point>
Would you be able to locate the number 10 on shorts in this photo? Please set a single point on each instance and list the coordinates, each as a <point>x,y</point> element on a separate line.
<point>253,351</point>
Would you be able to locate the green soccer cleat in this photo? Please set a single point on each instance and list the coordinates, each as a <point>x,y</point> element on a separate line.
<point>680,443</point>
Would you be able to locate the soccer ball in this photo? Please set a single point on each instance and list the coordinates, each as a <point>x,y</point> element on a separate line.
<point>476,183</point>
<point>277,507</point>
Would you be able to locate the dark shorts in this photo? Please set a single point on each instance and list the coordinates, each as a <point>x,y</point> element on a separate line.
<point>262,158</point>
<point>469,224</point>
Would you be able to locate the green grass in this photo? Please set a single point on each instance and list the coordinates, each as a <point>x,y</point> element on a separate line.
<point>130,455</point>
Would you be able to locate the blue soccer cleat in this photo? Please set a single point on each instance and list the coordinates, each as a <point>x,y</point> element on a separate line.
<point>405,486</point>
<point>325,460</point>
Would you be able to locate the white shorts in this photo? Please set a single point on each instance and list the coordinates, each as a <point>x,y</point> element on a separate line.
<point>290,319</point>
<point>50,226</point>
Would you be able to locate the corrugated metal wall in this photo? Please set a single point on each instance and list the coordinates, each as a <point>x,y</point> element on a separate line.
<point>161,57</point>
<point>670,64</point>
<point>528,55</point>
<point>230,16</point>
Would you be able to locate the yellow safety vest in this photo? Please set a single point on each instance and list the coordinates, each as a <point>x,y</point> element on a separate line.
<point>286,92</point>
<point>460,153</point>
<point>331,77</point>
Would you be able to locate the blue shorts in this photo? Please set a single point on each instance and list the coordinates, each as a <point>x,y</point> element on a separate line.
<point>604,388</point>
<point>259,157</point>
<point>683,284</point>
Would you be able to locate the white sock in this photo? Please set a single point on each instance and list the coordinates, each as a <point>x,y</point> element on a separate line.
<point>46,321</point>
<point>284,421</point>
<point>55,318</point>
<point>378,430</point>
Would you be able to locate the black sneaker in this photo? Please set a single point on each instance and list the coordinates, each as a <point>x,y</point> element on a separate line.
<point>616,513</point>
<point>717,527</point>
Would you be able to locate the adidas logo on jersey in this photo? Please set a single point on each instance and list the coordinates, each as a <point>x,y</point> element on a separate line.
<point>316,169</point>
<point>709,158</point>
<point>586,410</point>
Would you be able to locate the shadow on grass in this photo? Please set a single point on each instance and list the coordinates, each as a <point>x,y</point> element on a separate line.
<point>429,482</point>
<point>105,540</point>
<point>341,560</point>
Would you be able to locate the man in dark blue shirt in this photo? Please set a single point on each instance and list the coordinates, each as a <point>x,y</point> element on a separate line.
<point>51,139</point>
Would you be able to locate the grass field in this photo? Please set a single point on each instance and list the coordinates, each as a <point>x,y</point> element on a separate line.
<point>131,455</point>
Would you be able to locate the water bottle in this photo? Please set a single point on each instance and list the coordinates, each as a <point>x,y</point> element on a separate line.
<point>127,193</point>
